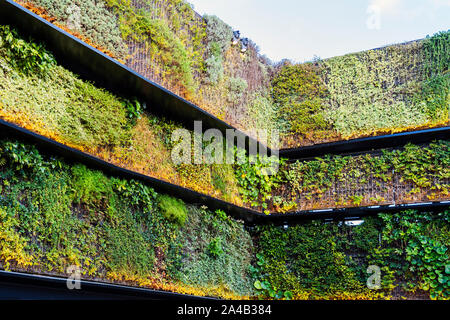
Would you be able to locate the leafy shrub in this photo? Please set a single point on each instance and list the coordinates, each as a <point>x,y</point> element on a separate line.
<point>198,266</point>
<point>435,96</point>
<point>134,109</point>
<point>22,157</point>
<point>89,186</point>
<point>214,69</point>
<point>119,238</point>
<point>12,243</point>
<point>263,113</point>
<point>69,107</point>
<point>27,57</point>
<point>257,179</point>
<point>173,209</point>
<point>167,49</point>
<point>422,259</point>
<point>127,249</point>
<point>371,90</point>
<point>437,53</point>
<point>136,193</point>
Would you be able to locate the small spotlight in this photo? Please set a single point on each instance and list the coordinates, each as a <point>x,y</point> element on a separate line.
<point>354,223</point>
<point>244,45</point>
<point>236,37</point>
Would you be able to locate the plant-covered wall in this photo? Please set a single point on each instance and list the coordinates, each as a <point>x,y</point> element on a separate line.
<point>54,215</point>
<point>40,95</point>
<point>415,173</point>
<point>399,87</point>
<point>331,260</point>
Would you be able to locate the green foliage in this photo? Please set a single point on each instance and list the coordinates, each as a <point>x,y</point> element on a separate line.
<point>166,48</point>
<point>115,230</point>
<point>223,178</point>
<point>263,287</point>
<point>193,263</point>
<point>214,68</point>
<point>425,167</point>
<point>127,249</point>
<point>257,177</point>
<point>22,157</point>
<point>415,248</point>
<point>319,174</point>
<point>298,91</point>
<point>263,113</point>
<point>237,87</point>
<point>25,56</point>
<point>331,259</point>
<point>371,90</point>
<point>437,53</point>
<point>422,166</point>
<point>91,18</point>
<point>89,186</point>
<point>173,209</point>
<point>219,34</point>
<point>435,96</point>
<point>305,258</point>
<point>134,109</point>
<point>136,194</point>
<point>69,107</point>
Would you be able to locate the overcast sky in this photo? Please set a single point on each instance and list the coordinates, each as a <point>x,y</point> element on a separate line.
<point>298,29</point>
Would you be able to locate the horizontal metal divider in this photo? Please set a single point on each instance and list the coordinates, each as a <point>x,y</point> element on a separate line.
<point>94,65</point>
<point>51,287</point>
<point>249,216</point>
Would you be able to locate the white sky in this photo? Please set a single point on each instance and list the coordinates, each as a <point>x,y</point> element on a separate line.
<point>298,29</point>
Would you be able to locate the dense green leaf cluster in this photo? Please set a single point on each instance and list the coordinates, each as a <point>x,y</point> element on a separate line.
<point>26,57</point>
<point>54,215</point>
<point>426,168</point>
<point>173,209</point>
<point>437,54</point>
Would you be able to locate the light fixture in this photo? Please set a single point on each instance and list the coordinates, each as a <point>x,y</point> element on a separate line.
<point>236,37</point>
<point>244,45</point>
<point>354,223</point>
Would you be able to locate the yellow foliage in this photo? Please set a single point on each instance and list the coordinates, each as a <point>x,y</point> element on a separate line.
<point>12,245</point>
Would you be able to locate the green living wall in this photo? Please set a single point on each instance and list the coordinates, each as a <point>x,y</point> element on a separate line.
<point>55,214</point>
<point>40,95</point>
<point>396,88</point>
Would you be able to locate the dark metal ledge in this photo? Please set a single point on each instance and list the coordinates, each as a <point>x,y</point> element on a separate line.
<point>352,213</point>
<point>27,286</point>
